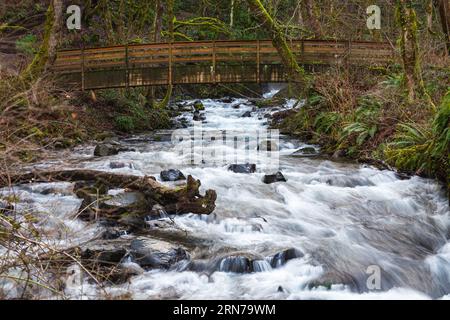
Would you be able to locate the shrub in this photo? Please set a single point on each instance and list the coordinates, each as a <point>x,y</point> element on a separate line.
<point>124,123</point>
<point>423,149</point>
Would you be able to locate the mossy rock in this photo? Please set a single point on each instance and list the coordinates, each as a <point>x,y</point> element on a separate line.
<point>198,106</point>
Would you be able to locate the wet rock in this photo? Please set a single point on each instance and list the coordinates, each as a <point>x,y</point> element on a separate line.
<point>198,116</point>
<point>284,256</point>
<point>271,178</point>
<point>103,150</point>
<point>172,175</point>
<point>236,106</point>
<point>198,106</point>
<point>243,168</point>
<point>226,100</point>
<point>246,114</point>
<point>305,151</point>
<point>154,253</point>
<point>118,165</point>
<point>268,145</point>
<point>279,116</point>
<point>261,265</point>
<point>104,252</point>
<point>237,264</point>
<point>182,107</point>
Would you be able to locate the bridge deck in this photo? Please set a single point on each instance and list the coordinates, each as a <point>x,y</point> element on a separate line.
<point>205,61</point>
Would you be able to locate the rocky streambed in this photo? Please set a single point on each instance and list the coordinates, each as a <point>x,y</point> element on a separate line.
<point>142,220</point>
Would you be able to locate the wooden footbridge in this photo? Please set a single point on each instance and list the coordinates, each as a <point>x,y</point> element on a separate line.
<point>205,62</point>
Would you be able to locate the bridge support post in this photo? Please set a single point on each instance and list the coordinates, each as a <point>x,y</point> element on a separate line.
<point>258,62</point>
<point>127,68</point>
<point>213,70</point>
<point>82,68</point>
<point>170,80</point>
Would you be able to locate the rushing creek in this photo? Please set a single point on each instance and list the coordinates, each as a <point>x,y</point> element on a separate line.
<point>340,221</point>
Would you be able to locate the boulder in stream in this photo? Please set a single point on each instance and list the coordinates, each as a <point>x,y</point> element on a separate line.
<point>155,253</point>
<point>284,256</point>
<point>198,116</point>
<point>243,168</point>
<point>198,106</point>
<point>172,175</point>
<point>305,151</point>
<point>103,150</point>
<point>246,114</point>
<point>271,178</point>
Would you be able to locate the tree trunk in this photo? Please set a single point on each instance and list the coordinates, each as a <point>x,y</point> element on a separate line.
<point>443,7</point>
<point>313,22</point>
<point>184,199</point>
<point>46,55</point>
<point>232,13</point>
<point>409,48</point>
<point>170,15</point>
<point>294,71</point>
<point>157,23</point>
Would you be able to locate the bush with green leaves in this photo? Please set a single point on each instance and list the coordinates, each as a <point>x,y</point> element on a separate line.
<point>125,123</point>
<point>423,148</point>
<point>365,122</point>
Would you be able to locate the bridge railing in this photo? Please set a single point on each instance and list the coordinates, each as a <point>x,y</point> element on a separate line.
<point>210,61</point>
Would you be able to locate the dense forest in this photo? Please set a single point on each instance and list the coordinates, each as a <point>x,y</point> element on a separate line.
<point>392,116</point>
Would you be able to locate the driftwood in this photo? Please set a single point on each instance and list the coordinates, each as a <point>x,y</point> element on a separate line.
<point>178,200</point>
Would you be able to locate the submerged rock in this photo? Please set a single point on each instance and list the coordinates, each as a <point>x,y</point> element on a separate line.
<point>172,175</point>
<point>243,168</point>
<point>271,178</point>
<point>246,114</point>
<point>237,264</point>
<point>118,165</point>
<point>103,150</point>
<point>305,151</point>
<point>284,256</point>
<point>154,253</point>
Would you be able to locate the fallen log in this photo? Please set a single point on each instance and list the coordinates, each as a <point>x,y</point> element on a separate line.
<point>178,200</point>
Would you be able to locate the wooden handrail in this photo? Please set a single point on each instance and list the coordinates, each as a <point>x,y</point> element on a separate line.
<point>210,55</point>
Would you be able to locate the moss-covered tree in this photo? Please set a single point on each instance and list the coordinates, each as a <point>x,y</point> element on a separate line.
<point>409,46</point>
<point>294,71</point>
<point>171,18</point>
<point>46,55</point>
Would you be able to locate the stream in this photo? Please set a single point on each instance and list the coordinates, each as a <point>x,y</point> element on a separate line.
<point>318,235</point>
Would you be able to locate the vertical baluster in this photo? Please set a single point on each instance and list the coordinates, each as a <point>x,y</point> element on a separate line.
<point>258,62</point>
<point>127,70</point>
<point>82,68</point>
<point>170,63</point>
<point>213,71</point>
